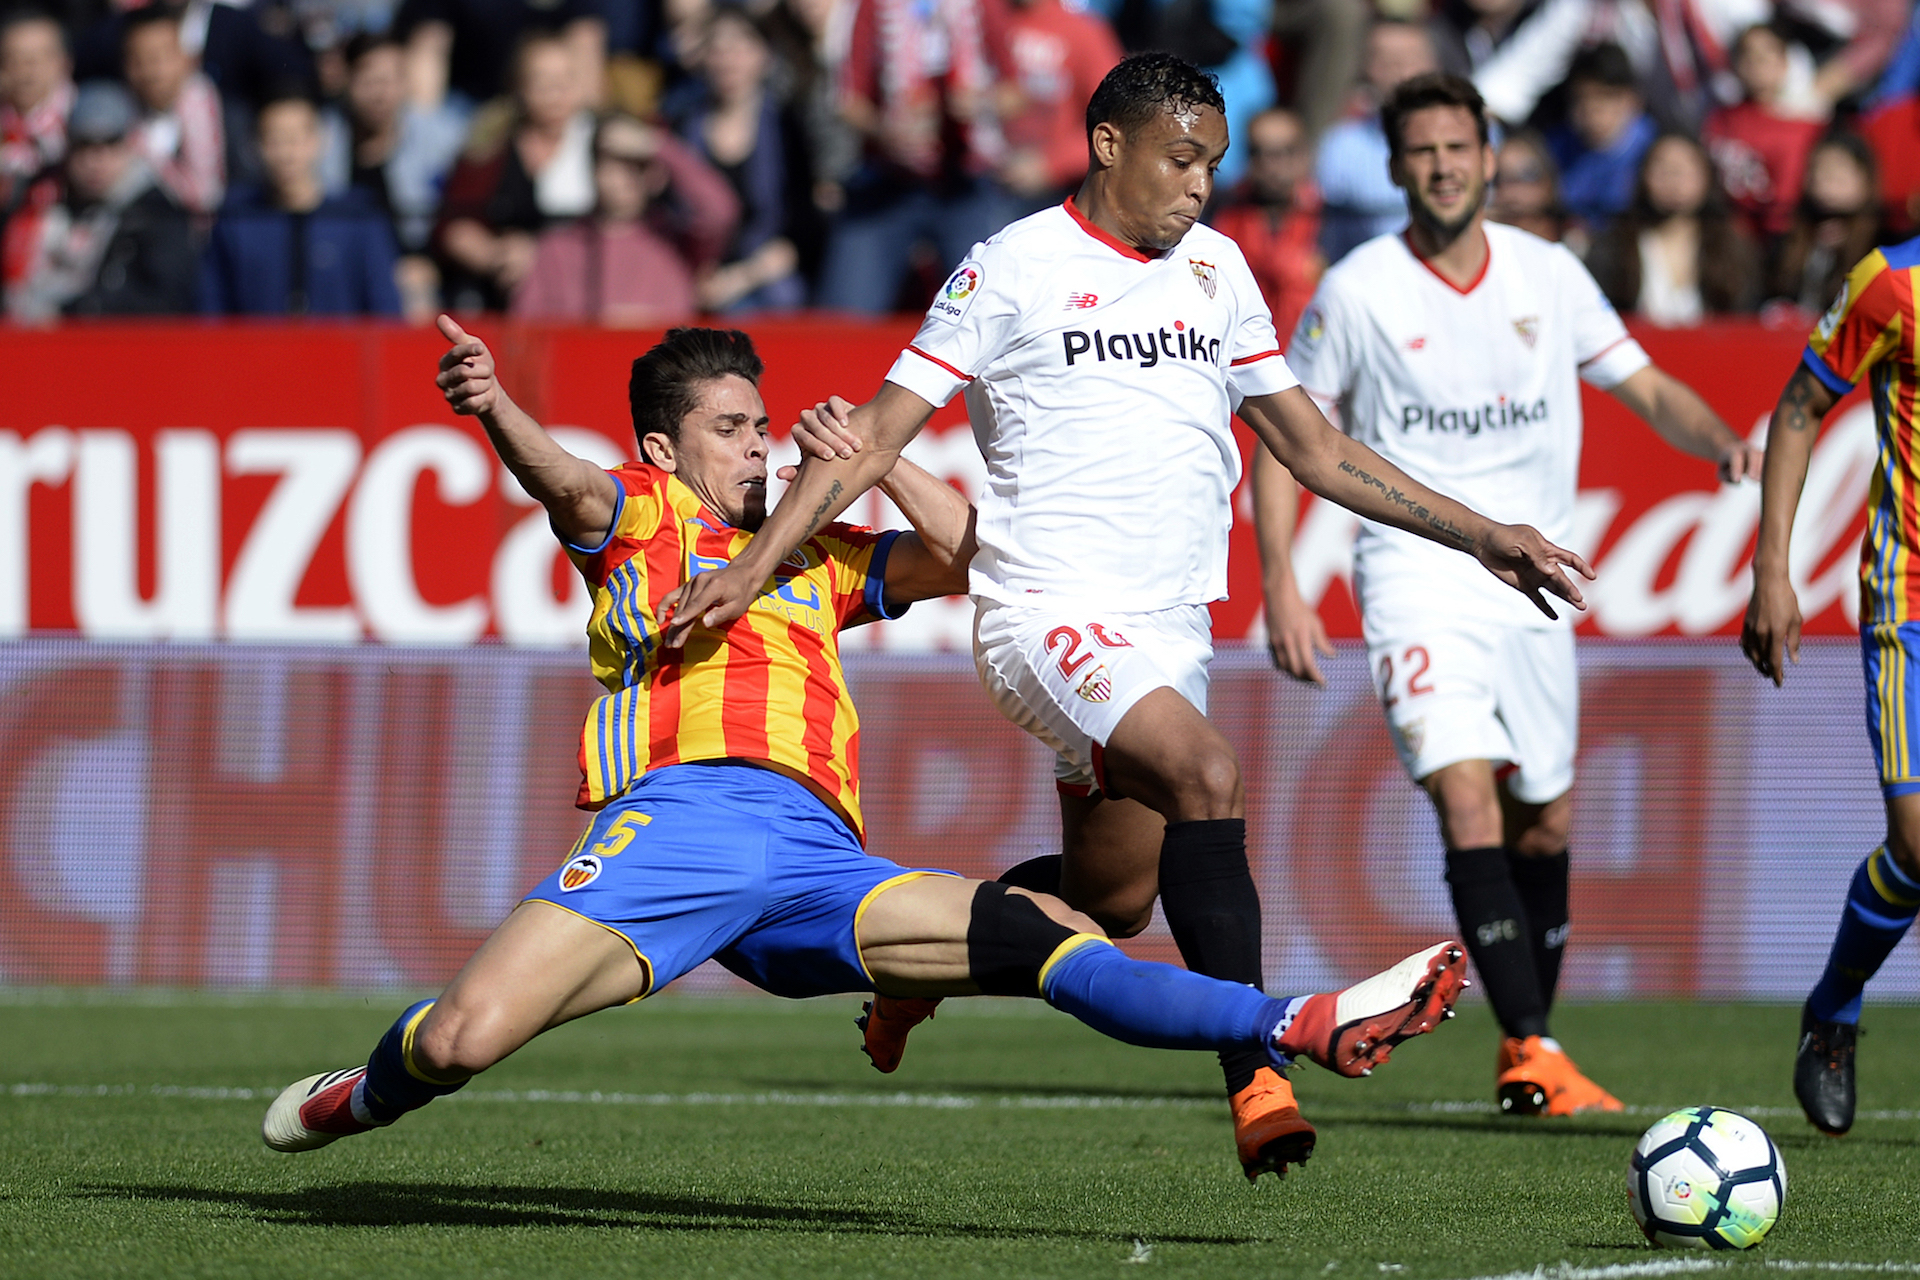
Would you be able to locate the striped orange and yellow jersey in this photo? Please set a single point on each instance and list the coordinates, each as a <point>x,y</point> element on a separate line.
<point>767,688</point>
<point>1870,331</point>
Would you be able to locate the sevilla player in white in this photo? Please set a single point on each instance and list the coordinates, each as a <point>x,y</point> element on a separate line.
<point>1455,350</point>
<point>1103,346</point>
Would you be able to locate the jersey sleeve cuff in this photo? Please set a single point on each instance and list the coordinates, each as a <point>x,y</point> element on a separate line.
<point>927,376</point>
<point>613,525</point>
<point>1821,370</point>
<point>1263,374</point>
<point>876,590</point>
<point>1615,364</point>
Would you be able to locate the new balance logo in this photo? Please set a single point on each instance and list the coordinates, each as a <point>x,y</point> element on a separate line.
<point>1081,301</point>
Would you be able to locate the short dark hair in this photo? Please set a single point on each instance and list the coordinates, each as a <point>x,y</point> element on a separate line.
<point>1432,89</point>
<point>666,381</point>
<point>1146,84</point>
<point>366,42</point>
<point>31,17</point>
<point>149,16</point>
<point>1606,63</point>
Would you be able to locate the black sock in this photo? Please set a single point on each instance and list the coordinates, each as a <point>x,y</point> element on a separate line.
<point>1037,875</point>
<point>1213,911</point>
<point>1542,883</point>
<point>1494,920</point>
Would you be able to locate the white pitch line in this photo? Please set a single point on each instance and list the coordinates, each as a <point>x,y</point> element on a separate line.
<point>777,1098</point>
<point>1683,1266</point>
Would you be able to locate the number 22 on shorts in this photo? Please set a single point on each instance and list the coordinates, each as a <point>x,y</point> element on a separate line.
<point>1414,662</point>
<point>1068,641</point>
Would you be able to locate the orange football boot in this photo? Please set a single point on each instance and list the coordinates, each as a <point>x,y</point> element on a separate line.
<point>1268,1129</point>
<point>886,1020</point>
<point>1536,1077</point>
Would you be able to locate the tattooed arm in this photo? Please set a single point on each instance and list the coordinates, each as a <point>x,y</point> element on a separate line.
<point>1345,471</point>
<point>1771,631</point>
<point>821,491</point>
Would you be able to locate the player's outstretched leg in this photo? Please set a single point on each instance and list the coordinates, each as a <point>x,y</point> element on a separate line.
<point>1882,901</point>
<point>324,1108</point>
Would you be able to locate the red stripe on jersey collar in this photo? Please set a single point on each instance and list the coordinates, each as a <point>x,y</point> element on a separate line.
<point>1114,243</point>
<point>1407,238</point>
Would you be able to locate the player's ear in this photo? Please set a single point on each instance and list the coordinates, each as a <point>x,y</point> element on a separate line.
<point>1105,144</point>
<point>1489,162</point>
<point>659,451</point>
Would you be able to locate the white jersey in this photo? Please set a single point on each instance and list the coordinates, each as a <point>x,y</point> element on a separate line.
<point>1473,392</point>
<point>1101,385</point>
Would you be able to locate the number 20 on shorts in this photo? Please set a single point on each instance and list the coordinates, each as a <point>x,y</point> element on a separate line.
<point>1414,662</point>
<point>1068,641</point>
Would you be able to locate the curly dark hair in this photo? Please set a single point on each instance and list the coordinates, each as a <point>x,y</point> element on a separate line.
<point>1145,84</point>
<point>666,381</point>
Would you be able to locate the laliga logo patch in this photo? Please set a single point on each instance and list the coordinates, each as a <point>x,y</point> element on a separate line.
<point>1831,321</point>
<point>1097,687</point>
<point>1312,326</point>
<point>1528,327</point>
<point>1204,273</point>
<point>957,293</point>
<point>579,873</point>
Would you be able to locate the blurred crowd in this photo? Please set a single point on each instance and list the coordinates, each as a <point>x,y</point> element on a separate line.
<point>640,162</point>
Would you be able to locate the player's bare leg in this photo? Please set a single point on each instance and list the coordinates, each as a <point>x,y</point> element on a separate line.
<point>1110,860</point>
<point>540,968</point>
<point>939,936</point>
<point>1882,901</point>
<point>1506,867</point>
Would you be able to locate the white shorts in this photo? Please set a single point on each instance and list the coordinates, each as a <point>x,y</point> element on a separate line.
<point>1069,677</point>
<point>1462,691</point>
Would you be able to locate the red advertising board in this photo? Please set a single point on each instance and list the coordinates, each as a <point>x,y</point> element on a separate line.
<point>306,484</point>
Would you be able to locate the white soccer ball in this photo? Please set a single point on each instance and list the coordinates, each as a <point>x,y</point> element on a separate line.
<point>1706,1178</point>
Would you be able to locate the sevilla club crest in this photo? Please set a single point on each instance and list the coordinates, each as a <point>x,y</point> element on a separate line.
<point>1098,686</point>
<point>1206,274</point>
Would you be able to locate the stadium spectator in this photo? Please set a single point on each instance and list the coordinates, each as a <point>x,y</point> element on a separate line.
<point>397,152</point>
<point>1759,145</point>
<point>1606,134</point>
<point>1327,40</point>
<point>1274,215</point>
<point>919,84</point>
<point>739,128</point>
<point>1893,131</point>
<point>1836,223</point>
<point>36,93</point>
<point>1468,33</point>
<point>1863,36</point>
<point>1061,53</point>
<point>1526,187</point>
<point>1225,37</point>
<point>113,242</point>
<point>465,51</point>
<point>1351,169</point>
<point>288,248</point>
<point>634,262</point>
<point>181,133</point>
<point>1677,254</point>
<point>1902,75</point>
<point>526,165</point>
<point>811,37</point>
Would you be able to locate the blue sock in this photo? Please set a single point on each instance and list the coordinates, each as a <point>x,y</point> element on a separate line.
<point>1881,903</point>
<point>1159,1006</point>
<point>394,1084</point>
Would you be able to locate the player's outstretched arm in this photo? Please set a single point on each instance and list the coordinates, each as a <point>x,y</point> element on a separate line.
<point>1295,634</point>
<point>1345,471</point>
<point>1770,633</point>
<point>932,559</point>
<point>821,491</point>
<point>1685,421</point>
<point>579,497</point>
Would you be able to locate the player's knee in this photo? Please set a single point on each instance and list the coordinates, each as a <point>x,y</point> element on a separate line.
<point>1011,935</point>
<point>1209,787</point>
<point>456,1041</point>
<point>1547,833</point>
<point>1903,840</point>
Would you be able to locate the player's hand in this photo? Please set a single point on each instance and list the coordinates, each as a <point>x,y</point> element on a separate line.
<point>1295,635</point>
<point>467,378</point>
<point>1521,557</point>
<point>710,599</point>
<point>1772,625</point>
<point>823,431</point>
<point>1741,461</point>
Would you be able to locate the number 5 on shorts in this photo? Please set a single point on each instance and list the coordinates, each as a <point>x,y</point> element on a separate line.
<point>620,834</point>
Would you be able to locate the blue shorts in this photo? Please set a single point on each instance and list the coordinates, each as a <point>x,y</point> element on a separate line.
<point>1890,652</point>
<point>733,863</point>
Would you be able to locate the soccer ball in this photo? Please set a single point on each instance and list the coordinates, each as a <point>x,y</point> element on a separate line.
<point>1706,1178</point>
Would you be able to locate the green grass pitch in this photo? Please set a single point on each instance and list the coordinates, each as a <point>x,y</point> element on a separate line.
<point>749,1137</point>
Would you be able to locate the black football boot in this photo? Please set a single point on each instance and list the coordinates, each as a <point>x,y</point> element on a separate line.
<point>1823,1072</point>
